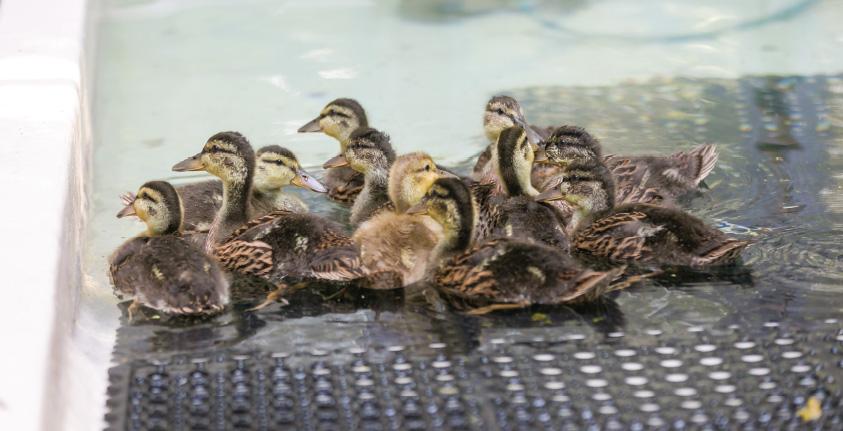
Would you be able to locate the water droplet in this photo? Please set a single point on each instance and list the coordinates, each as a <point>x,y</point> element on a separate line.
<point>364,382</point>
<point>653,332</point>
<point>784,341</point>
<point>775,399</point>
<point>644,394</point>
<point>437,346</point>
<point>402,366</point>
<point>615,334</point>
<point>719,375</point>
<point>636,380</point>
<point>596,383</point>
<point>649,408</point>
<point>502,359</point>
<point>361,369</point>
<point>793,354</point>
<point>705,348</point>
<point>449,390</point>
<point>671,363</point>
<point>696,329</point>
<point>759,371</point>
<point>725,389</point>
<point>607,410</point>
<point>543,357</point>
<point>632,366</point>
<point>395,348</point>
<point>752,358</point>
<point>575,337</point>
<point>554,386</point>
<point>591,369</point>
<point>685,392</point>
<point>800,368</point>
<point>625,353</point>
<point>676,378</point>
<point>744,344</point>
<point>711,361</point>
<point>441,364</point>
<point>514,387</point>
<point>691,404</point>
<point>665,350</point>
<point>767,386</point>
<point>733,402</point>
<point>509,373</point>
<point>550,371</point>
<point>584,355</point>
<point>403,380</point>
<point>601,396</point>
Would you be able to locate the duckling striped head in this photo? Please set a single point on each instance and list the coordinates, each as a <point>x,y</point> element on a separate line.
<point>157,203</point>
<point>277,167</point>
<point>410,176</point>
<point>571,144</point>
<point>227,155</point>
<point>501,113</point>
<point>450,203</point>
<point>338,119</point>
<point>369,150</point>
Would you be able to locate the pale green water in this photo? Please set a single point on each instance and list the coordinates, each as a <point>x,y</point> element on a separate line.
<point>172,73</point>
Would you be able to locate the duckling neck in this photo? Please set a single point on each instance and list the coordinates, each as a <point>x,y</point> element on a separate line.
<point>374,195</point>
<point>515,182</point>
<point>234,211</point>
<point>458,233</point>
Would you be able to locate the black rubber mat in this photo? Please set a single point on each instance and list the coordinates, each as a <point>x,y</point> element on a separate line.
<point>723,378</point>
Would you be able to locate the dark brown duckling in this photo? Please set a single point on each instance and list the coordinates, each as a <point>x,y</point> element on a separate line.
<point>338,120</point>
<point>160,270</point>
<point>659,180</point>
<point>370,153</point>
<point>278,247</point>
<point>500,273</point>
<point>517,214</point>
<point>635,233</point>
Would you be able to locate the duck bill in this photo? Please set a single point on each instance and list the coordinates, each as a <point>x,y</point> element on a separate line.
<point>336,162</point>
<point>312,126</point>
<point>306,181</point>
<point>417,209</point>
<point>553,194</point>
<point>193,163</point>
<point>128,210</point>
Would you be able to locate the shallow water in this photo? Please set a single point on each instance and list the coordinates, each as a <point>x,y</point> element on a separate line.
<point>759,79</point>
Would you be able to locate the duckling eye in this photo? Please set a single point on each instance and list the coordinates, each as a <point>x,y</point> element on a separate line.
<point>275,162</point>
<point>499,111</point>
<point>427,168</point>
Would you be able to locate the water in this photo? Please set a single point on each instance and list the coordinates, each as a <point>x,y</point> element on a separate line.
<point>758,78</point>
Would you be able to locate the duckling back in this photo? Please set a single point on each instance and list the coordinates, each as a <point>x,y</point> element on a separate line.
<point>505,270</point>
<point>167,274</point>
<point>285,244</point>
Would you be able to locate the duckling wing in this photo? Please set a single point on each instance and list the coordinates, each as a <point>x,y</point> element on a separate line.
<point>617,236</point>
<point>510,271</point>
<point>525,219</point>
<point>201,201</point>
<point>397,242</point>
<point>343,183</point>
<point>694,165</point>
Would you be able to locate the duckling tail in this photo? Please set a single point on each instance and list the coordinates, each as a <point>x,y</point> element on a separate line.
<point>723,254</point>
<point>705,157</point>
<point>590,285</point>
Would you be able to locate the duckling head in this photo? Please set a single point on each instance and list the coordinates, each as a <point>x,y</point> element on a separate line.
<point>513,157</point>
<point>572,145</point>
<point>338,119</point>
<point>449,203</point>
<point>368,152</point>
<point>277,167</point>
<point>227,155</point>
<point>502,112</point>
<point>158,205</point>
<point>410,177</point>
<point>584,188</point>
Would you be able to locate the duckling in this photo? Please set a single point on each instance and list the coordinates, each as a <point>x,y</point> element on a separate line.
<point>276,168</point>
<point>370,153</point>
<point>503,272</point>
<point>392,240</point>
<point>517,214</point>
<point>638,179</point>
<point>279,246</point>
<point>338,120</point>
<point>641,233</point>
<point>160,270</point>
<point>503,112</point>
